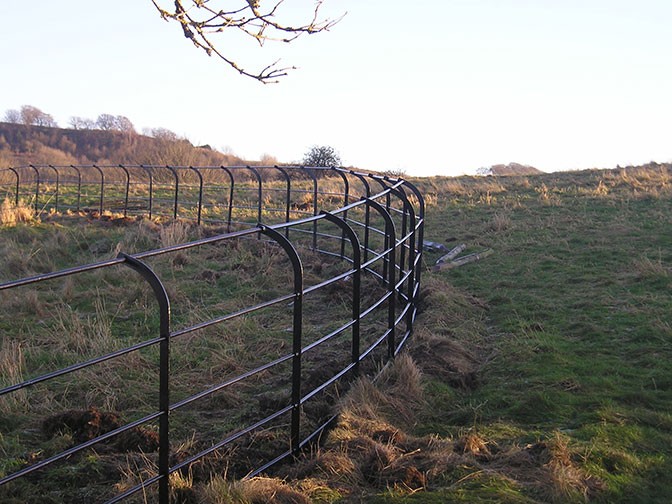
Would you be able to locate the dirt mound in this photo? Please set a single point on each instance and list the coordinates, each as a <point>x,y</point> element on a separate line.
<point>85,425</point>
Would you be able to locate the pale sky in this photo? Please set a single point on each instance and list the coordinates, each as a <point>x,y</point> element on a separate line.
<point>431,87</point>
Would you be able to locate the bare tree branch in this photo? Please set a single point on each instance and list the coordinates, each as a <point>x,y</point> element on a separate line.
<point>202,20</point>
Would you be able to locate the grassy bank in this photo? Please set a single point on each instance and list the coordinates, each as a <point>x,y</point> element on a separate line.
<point>578,312</point>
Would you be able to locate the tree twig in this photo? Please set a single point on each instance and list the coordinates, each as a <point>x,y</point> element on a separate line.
<point>200,20</point>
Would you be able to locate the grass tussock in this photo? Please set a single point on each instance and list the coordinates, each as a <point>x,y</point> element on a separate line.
<point>258,490</point>
<point>370,446</point>
<point>653,269</point>
<point>12,214</point>
<point>174,233</point>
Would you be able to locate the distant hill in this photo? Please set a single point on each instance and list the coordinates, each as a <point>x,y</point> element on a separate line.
<point>23,144</point>
<point>503,170</point>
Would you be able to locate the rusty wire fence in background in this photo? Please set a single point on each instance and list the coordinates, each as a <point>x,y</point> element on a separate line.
<point>366,232</point>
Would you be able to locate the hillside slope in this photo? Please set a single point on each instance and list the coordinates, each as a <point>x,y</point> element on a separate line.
<point>23,144</point>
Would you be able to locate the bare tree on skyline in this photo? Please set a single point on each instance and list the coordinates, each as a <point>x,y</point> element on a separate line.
<point>32,116</point>
<point>201,20</point>
<point>322,155</point>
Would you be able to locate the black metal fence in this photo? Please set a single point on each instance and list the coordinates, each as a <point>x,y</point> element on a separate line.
<point>370,224</point>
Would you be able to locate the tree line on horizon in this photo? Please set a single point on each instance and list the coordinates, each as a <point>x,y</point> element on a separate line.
<point>29,115</point>
<point>31,136</point>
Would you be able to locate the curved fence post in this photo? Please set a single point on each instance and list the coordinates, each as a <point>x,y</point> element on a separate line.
<point>383,187</point>
<point>128,187</point>
<point>37,187</point>
<point>259,192</point>
<point>79,186</point>
<point>148,171</point>
<point>408,213</point>
<point>390,240</point>
<point>57,186</point>
<point>346,202</point>
<point>177,190</point>
<point>314,178</point>
<point>16,199</point>
<point>297,329</point>
<point>200,192</point>
<point>356,282</point>
<point>288,196</point>
<point>102,188</point>
<point>367,212</point>
<point>164,373</point>
<point>420,227</point>
<point>230,209</point>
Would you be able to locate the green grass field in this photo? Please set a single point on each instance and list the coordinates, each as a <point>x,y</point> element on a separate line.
<point>578,298</point>
<point>541,373</point>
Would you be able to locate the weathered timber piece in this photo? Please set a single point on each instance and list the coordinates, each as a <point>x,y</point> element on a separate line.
<point>461,261</point>
<point>452,254</point>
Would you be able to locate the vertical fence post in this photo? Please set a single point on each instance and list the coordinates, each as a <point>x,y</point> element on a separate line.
<point>148,171</point>
<point>79,186</point>
<point>356,283</point>
<point>37,187</point>
<point>419,227</point>
<point>314,179</point>
<point>346,202</point>
<point>367,212</point>
<point>383,185</point>
<point>102,189</point>
<point>177,190</point>
<point>259,193</point>
<point>164,373</point>
<point>297,329</point>
<point>230,209</point>
<point>408,214</point>
<point>384,188</point>
<point>57,186</point>
<point>200,193</point>
<point>16,202</point>
<point>390,238</point>
<point>407,210</point>
<point>288,196</point>
<point>128,189</point>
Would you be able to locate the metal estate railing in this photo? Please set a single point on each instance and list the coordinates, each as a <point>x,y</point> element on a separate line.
<point>337,298</point>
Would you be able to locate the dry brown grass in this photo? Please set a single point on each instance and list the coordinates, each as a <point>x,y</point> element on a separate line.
<point>73,333</point>
<point>500,222</point>
<point>137,467</point>
<point>568,481</point>
<point>476,189</point>
<point>174,233</point>
<point>11,213</point>
<point>639,178</point>
<point>370,448</point>
<point>12,364</point>
<point>259,490</point>
<point>648,268</point>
